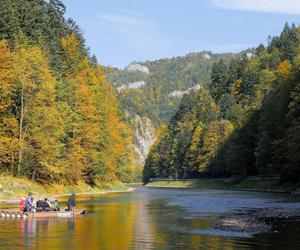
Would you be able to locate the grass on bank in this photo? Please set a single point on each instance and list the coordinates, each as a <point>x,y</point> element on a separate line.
<point>15,188</point>
<point>134,184</point>
<point>255,185</point>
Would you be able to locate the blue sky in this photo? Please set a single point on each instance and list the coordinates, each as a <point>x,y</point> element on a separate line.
<point>121,31</point>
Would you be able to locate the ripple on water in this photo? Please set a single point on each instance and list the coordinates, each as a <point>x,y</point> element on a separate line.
<point>212,232</point>
<point>206,204</point>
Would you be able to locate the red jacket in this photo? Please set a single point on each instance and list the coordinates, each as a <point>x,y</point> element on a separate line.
<point>22,205</point>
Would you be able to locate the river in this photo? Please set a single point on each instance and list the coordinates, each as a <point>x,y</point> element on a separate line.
<point>152,218</point>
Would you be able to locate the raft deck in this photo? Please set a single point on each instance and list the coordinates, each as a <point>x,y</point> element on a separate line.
<point>42,214</point>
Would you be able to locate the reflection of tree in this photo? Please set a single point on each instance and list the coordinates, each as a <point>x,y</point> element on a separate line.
<point>201,241</point>
<point>108,226</point>
<point>43,233</point>
<point>28,229</point>
<point>169,229</point>
<point>71,223</point>
<point>119,222</point>
<point>143,228</point>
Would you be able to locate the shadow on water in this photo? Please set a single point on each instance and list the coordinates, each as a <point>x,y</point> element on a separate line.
<point>153,219</point>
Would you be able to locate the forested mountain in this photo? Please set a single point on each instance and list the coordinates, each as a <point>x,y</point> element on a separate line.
<point>245,122</point>
<point>156,97</point>
<point>60,120</point>
<point>151,91</point>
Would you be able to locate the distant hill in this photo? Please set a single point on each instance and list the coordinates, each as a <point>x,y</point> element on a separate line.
<point>152,90</point>
<point>145,88</point>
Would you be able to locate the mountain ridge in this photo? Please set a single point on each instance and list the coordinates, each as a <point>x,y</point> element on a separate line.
<point>152,90</point>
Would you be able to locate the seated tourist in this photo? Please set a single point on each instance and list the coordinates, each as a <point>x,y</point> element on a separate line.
<point>40,205</point>
<point>28,202</point>
<point>22,204</point>
<point>47,204</point>
<point>56,206</point>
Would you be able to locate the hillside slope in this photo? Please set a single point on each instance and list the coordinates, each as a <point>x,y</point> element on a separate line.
<point>60,121</point>
<point>245,122</point>
<point>152,90</point>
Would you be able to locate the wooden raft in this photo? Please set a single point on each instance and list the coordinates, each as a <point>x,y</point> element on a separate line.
<point>43,214</point>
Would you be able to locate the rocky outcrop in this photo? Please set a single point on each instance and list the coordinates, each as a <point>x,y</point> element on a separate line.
<point>137,67</point>
<point>143,137</point>
<point>131,85</point>
<point>180,93</point>
<point>206,56</point>
<point>249,55</point>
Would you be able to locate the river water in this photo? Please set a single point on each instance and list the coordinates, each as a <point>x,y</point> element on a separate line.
<point>152,218</point>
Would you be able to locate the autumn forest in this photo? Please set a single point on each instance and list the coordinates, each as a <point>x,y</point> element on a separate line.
<point>245,122</point>
<point>62,119</point>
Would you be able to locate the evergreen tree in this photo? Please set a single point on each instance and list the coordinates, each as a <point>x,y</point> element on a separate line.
<point>252,129</point>
<point>219,80</point>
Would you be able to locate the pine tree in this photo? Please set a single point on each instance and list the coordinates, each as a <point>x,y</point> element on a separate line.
<point>219,80</point>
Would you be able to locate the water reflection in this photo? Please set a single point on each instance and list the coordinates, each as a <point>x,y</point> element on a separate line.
<point>141,220</point>
<point>41,232</point>
<point>143,228</point>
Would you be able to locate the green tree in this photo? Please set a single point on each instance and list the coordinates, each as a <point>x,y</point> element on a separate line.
<point>219,80</point>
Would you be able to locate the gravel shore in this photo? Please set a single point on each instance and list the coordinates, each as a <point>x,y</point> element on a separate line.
<point>255,220</point>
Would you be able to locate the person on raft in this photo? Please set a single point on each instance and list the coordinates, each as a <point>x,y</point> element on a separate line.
<point>32,205</point>
<point>45,205</point>
<point>71,203</point>
<point>56,206</point>
<point>28,202</point>
<point>22,204</point>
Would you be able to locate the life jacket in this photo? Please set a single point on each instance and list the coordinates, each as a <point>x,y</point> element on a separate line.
<point>22,205</point>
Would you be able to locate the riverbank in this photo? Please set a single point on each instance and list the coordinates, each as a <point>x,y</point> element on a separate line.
<point>255,220</point>
<point>13,189</point>
<point>258,185</point>
<point>252,219</point>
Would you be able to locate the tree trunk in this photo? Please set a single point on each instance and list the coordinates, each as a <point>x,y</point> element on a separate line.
<point>21,131</point>
<point>33,174</point>
<point>12,165</point>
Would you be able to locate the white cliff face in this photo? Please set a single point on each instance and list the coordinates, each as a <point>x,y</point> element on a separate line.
<point>206,56</point>
<point>131,85</point>
<point>144,136</point>
<point>137,67</point>
<point>249,55</point>
<point>180,93</point>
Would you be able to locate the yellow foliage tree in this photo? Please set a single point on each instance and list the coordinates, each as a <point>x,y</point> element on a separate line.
<point>114,132</point>
<point>98,138</point>
<point>214,136</point>
<point>8,123</point>
<point>39,121</point>
<point>284,69</point>
<point>266,80</point>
